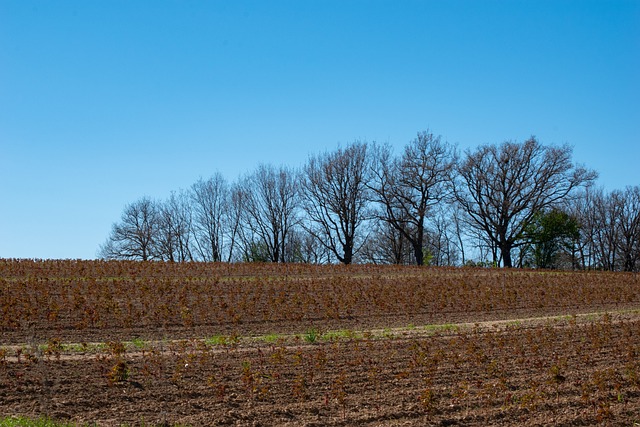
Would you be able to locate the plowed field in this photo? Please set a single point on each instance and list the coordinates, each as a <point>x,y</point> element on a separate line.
<point>117,343</point>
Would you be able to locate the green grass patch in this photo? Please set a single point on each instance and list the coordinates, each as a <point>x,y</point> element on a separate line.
<point>35,422</point>
<point>139,343</point>
<point>311,335</point>
<point>272,338</point>
<point>221,340</point>
<point>216,340</point>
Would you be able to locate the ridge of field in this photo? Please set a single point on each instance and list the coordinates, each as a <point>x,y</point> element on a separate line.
<point>59,350</point>
<point>106,300</point>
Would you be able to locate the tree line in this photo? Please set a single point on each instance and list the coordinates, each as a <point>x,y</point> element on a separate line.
<point>514,204</point>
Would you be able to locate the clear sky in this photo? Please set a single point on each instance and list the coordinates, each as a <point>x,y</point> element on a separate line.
<point>103,102</point>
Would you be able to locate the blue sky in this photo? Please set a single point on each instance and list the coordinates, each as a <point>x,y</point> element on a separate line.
<point>103,102</point>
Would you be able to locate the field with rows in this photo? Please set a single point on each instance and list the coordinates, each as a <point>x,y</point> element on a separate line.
<point>132,343</point>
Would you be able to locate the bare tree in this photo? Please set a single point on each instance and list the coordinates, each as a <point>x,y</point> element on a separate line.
<point>237,238</point>
<point>606,211</point>
<point>501,187</point>
<point>134,236</point>
<point>387,245</point>
<point>580,208</point>
<point>409,187</point>
<point>336,198</point>
<point>270,208</point>
<point>304,247</point>
<point>611,229</point>
<point>629,228</point>
<point>459,230</point>
<point>440,240</point>
<point>210,200</point>
<point>174,232</point>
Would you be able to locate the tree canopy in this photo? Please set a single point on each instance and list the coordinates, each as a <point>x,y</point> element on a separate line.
<point>514,204</point>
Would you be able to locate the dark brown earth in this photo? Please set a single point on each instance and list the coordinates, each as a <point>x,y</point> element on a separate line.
<point>124,343</point>
<point>580,371</point>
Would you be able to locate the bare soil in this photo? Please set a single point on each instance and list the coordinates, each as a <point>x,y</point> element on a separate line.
<point>125,343</point>
<point>570,371</point>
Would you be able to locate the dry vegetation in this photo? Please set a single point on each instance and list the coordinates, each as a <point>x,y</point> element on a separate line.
<point>265,344</point>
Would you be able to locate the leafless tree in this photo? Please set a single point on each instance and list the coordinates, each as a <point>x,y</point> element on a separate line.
<point>629,227</point>
<point>134,236</point>
<point>501,187</point>
<point>173,235</point>
<point>440,240</point>
<point>210,200</point>
<point>387,245</point>
<point>304,247</point>
<point>270,208</point>
<point>459,227</point>
<point>408,188</point>
<point>606,210</point>
<point>610,229</point>
<point>336,198</point>
<point>237,239</point>
<point>581,209</point>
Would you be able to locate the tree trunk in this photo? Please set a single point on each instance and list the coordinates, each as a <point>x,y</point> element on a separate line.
<point>505,250</point>
<point>348,255</point>
<point>419,255</point>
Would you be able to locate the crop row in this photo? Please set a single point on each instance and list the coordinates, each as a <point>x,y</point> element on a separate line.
<point>47,304</point>
<point>565,370</point>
